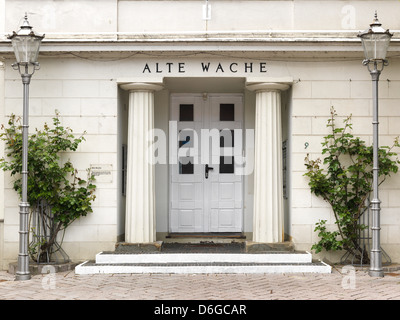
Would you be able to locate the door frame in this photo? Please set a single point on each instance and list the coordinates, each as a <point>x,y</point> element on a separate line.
<point>205,96</point>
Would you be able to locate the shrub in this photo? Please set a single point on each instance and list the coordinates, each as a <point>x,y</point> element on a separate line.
<point>49,178</point>
<point>344,180</point>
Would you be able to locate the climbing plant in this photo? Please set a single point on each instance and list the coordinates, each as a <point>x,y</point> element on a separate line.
<point>49,178</point>
<point>344,179</point>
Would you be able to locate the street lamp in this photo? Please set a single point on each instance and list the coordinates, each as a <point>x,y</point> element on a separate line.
<point>375,41</point>
<point>26,44</point>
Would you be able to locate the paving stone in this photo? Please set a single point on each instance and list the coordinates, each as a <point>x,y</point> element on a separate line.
<point>69,286</point>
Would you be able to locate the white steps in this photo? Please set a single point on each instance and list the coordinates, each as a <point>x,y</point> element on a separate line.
<point>280,262</point>
<point>108,258</point>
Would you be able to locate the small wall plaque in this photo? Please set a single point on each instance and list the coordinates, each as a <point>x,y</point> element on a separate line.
<point>102,172</point>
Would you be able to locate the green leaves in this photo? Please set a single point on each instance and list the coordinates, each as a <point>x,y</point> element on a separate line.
<point>49,177</point>
<point>344,179</point>
<point>328,238</point>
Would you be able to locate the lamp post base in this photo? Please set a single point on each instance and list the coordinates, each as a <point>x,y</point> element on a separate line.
<point>376,273</point>
<point>22,277</point>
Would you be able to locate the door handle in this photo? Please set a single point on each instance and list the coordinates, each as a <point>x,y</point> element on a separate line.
<point>207,168</point>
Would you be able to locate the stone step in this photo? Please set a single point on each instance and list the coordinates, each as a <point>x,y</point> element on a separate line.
<point>202,268</point>
<point>270,257</point>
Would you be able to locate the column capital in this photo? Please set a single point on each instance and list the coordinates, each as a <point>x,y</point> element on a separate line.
<point>141,86</point>
<point>267,86</point>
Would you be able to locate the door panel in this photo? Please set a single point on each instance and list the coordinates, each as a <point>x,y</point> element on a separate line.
<point>226,115</point>
<point>186,190</point>
<point>201,203</point>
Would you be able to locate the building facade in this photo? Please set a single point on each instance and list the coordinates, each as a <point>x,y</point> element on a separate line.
<point>199,114</point>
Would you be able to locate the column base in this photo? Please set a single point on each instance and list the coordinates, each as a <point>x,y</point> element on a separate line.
<point>254,247</point>
<point>127,247</point>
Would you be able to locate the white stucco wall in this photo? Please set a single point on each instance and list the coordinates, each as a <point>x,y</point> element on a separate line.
<point>2,67</point>
<point>87,101</point>
<point>83,86</point>
<point>346,87</point>
<point>85,93</point>
<point>92,16</point>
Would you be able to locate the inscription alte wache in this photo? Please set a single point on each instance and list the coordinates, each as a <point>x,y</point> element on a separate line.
<point>204,67</point>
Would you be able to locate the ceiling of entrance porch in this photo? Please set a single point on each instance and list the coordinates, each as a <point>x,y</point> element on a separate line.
<point>209,85</point>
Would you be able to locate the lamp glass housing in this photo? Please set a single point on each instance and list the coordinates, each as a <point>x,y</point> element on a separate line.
<point>375,45</point>
<point>26,48</point>
<point>26,44</point>
<point>375,41</point>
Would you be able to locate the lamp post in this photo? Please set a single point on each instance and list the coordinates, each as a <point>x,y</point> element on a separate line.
<point>375,41</point>
<point>26,44</point>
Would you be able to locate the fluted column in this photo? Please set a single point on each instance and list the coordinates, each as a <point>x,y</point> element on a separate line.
<point>140,222</point>
<point>268,189</point>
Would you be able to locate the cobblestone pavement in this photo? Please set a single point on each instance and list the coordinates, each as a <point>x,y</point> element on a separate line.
<point>341,284</point>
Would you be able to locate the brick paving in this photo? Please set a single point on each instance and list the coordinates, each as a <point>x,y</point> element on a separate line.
<point>356,285</point>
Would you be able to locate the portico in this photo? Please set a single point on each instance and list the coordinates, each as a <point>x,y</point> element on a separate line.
<point>260,191</point>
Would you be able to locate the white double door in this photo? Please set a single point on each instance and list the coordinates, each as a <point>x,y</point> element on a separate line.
<point>206,189</point>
